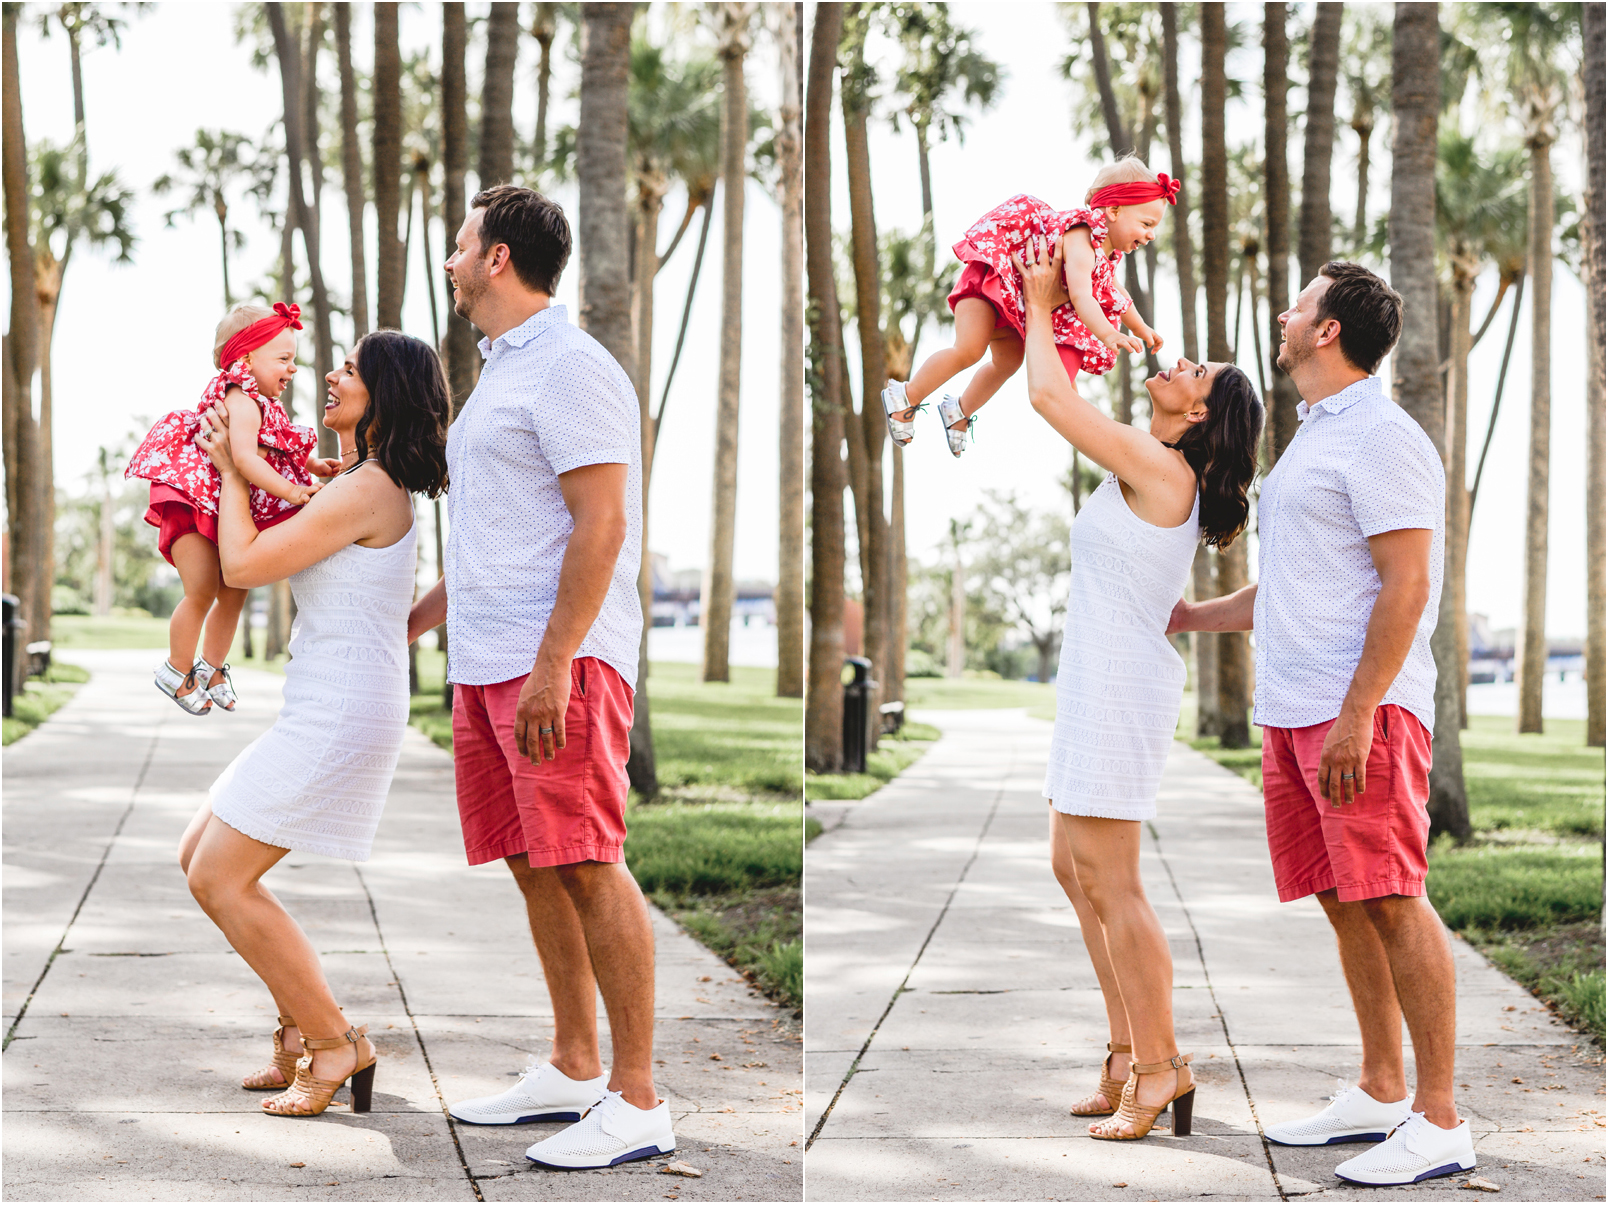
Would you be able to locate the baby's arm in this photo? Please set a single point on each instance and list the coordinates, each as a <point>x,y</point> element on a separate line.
<point>1080,269</point>
<point>245,421</point>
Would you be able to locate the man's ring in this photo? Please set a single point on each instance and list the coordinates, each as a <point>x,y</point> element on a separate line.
<point>1346,776</point>
<point>546,731</point>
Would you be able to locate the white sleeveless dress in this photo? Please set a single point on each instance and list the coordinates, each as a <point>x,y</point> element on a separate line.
<point>1120,680</point>
<point>316,781</point>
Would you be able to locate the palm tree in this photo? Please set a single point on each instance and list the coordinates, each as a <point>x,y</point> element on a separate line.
<point>1367,43</point>
<point>790,508</point>
<point>463,360</point>
<point>497,95</point>
<point>829,389</point>
<point>24,509</point>
<point>544,27</point>
<point>715,608</point>
<point>1416,101</point>
<point>1276,66</point>
<point>1183,245</point>
<point>1318,141</point>
<point>390,259</point>
<point>871,429</point>
<point>211,168</point>
<point>1592,238</point>
<point>352,171</point>
<point>605,301</point>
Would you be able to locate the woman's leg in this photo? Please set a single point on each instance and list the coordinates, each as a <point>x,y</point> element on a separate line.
<point>1106,859</point>
<point>974,327</point>
<point>1005,357</point>
<point>222,621</point>
<point>1089,927</point>
<point>196,559</point>
<point>224,869</point>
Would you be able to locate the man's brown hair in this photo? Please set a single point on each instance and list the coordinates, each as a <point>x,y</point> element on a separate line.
<point>1368,309</point>
<point>534,229</point>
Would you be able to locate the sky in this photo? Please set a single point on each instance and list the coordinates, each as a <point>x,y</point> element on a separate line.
<point>134,341</point>
<point>1025,144</point>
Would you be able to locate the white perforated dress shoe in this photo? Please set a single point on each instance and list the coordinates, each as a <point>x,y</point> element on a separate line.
<point>612,1132</point>
<point>543,1093</point>
<point>1351,1116</point>
<point>1416,1150</point>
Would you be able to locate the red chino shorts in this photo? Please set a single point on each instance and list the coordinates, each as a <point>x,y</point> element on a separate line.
<point>569,810</point>
<point>1363,850</point>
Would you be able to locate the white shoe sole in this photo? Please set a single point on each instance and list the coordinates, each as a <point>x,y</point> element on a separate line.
<point>587,1162</point>
<point>1446,1169</point>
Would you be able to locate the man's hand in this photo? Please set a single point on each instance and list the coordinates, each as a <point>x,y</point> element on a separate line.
<point>539,714</point>
<point>1345,754</point>
<point>429,612</point>
<point>1181,620</point>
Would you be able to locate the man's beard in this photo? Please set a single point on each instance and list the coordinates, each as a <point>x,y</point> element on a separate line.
<point>1291,356</point>
<point>469,292</point>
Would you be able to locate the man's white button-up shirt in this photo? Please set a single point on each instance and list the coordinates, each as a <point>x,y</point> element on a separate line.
<point>1358,466</point>
<point>550,399</point>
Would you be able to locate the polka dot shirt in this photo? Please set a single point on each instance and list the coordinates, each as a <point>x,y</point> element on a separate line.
<point>550,399</point>
<point>1358,466</point>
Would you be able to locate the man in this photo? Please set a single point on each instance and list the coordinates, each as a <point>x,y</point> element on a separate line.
<point>540,602</point>
<point>1349,564</point>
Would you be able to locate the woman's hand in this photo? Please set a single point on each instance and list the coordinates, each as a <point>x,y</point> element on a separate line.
<point>1041,271</point>
<point>212,437</point>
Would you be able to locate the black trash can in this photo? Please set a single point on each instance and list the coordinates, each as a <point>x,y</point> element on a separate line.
<point>858,687</point>
<point>9,626</point>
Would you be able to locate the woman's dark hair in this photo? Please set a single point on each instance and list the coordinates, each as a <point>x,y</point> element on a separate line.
<point>410,407</point>
<point>1222,450</point>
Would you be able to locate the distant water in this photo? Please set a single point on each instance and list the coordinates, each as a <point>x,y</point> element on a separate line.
<point>752,644</point>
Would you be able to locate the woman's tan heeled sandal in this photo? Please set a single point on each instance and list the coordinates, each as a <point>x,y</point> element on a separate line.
<point>309,1096</point>
<point>284,1063</point>
<point>1140,1118</point>
<point>1110,1089</point>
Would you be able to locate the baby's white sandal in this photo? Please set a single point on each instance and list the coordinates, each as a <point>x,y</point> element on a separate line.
<point>170,682</point>
<point>222,694</point>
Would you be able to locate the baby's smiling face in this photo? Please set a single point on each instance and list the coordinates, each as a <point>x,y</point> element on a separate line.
<point>1130,227</point>
<point>274,363</point>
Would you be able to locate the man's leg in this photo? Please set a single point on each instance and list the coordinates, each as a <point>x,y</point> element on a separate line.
<point>1374,997</point>
<point>1421,962</point>
<point>620,939</point>
<point>561,944</point>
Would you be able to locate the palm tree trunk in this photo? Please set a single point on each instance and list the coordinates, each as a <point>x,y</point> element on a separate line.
<point>1276,66</point>
<point>1416,101</point>
<point>1183,244</point>
<point>352,171</point>
<point>790,451</point>
<point>463,359</point>
<point>45,571</point>
<point>1458,480</point>
<point>650,196</point>
<point>1592,237</point>
<point>868,318</point>
<point>1363,127</point>
<point>421,178</point>
<point>1533,650</point>
<point>1121,140</point>
<point>687,313</point>
<point>390,263</point>
<point>544,25</point>
<point>715,609</point>
<point>1203,585</point>
<point>323,334</point>
<point>824,704</point>
<point>497,95</point>
<point>1497,396</point>
<point>223,236</point>
<point>1318,142</point>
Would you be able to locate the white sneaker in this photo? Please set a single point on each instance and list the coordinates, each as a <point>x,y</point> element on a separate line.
<point>1352,1116</point>
<point>612,1132</point>
<point>949,414</point>
<point>1415,1151</point>
<point>901,431</point>
<point>543,1093</point>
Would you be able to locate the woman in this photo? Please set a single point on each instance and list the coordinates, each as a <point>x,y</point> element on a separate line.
<point>317,780</point>
<point>1120,681</point>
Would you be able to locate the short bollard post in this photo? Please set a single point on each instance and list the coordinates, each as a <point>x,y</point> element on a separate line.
<point>857,696</point>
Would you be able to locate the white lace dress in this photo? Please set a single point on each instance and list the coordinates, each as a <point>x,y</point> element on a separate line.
<point>316,781</point>
<point>1120,679</point>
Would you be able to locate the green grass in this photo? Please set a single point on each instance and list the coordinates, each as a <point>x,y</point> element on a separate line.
<point>40,698</point>
<point>1526,889</point>
<point>714,848</point>
<point>126,631</point>
<point>892,756</point>
<point>981,692</point>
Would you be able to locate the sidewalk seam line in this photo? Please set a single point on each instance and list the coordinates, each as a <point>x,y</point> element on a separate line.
<point>452,1130</point>
<point>134,794</point>
<point>1223,1021</point>
<point>977,848</point>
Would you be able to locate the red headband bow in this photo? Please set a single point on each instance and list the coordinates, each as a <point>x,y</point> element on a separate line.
<point>260,332</point>
<point>1166,189</point>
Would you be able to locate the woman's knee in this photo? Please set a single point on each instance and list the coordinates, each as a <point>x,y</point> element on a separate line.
<point>1108,889</point>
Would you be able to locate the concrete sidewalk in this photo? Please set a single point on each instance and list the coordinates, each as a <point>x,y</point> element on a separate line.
<point>129,1020</point>
<point>951,1015</point>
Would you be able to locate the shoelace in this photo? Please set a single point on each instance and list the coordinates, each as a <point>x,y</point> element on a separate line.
<point>1342,1091</point>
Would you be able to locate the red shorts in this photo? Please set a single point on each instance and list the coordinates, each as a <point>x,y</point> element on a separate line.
<point>562,812</point>
<point>1363,850</point>
<point>977,280</point>
<point>173,515</point>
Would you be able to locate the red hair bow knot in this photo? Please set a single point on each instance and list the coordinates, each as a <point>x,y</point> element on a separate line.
<point>292,313</point>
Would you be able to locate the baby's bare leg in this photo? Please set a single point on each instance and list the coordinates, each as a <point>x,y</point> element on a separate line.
<point>1005,357</point>
<point>196,559</point>
<point>222,621</point>
<point>974,327</point>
